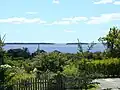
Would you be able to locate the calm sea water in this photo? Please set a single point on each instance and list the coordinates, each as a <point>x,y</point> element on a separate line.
<point>49,48</point>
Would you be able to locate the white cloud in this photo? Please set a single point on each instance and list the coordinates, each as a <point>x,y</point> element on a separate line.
<point>31,13</point>
<point>61,23</point>
<point>67,21</point>
<point>103,1</point>
<point>56,1</point>
<point>117,3</point>
<point>21,20</point>
<point>69,31</point>
<point>75,19</point>
<point>104,18</point>
<point>107,2</point>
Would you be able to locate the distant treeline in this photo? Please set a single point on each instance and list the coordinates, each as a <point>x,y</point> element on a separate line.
<point>31,43</point>
<point>50,43</point>
<point>78,43</point>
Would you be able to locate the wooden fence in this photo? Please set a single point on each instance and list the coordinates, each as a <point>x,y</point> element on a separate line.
<point>38,84</point>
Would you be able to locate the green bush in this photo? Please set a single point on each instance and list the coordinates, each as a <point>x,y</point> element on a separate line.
<point>107,67</point>
<point>49,61</point>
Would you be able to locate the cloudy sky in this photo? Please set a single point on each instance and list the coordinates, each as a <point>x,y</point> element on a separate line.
<point>57,21</point>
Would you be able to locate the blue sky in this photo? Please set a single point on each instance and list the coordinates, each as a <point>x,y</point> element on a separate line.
<point>57,21</point>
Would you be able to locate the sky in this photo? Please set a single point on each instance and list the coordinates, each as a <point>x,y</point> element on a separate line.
<point>57,21</point>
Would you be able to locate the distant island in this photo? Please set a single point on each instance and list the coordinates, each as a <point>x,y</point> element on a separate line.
<point>31,43</point>
<point>77,43</point>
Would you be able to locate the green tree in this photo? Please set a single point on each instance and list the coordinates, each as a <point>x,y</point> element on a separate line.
<point>112,42</point>
<point>2,39</point>
<point>15,53</point>
<point>85,76</point>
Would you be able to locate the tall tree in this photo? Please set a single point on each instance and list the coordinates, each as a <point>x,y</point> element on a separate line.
<point>2,39</point>
<point>112,42</point>
<point>84,73</point>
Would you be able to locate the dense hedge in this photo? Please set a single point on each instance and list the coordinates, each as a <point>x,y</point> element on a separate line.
<point>107,67</point>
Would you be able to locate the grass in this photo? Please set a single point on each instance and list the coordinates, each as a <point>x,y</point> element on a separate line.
<point>107,61</point>
<point>93,87</point>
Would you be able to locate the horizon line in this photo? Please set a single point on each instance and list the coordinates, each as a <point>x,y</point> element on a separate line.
<point>45,43</point>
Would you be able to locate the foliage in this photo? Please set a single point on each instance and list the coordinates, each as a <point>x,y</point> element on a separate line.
<point>70,70</point>
<point>112,42</point>
<point>2,39</point>
<point>18,53</point>
<point>13,74</point>
<point>49,61</point>
<point>84,75</point>
<point>37,53</point>
<point>105,67</point>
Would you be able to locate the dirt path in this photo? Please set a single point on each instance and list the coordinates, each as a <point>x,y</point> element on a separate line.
<point>113,83</point>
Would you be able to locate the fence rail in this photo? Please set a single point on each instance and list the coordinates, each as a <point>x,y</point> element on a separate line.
<point>36,84</point>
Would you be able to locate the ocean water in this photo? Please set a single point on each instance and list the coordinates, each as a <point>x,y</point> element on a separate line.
<point>49,48</point>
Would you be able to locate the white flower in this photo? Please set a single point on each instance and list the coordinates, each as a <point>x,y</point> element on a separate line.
<point>5,66</point>
<point>35,70</point>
